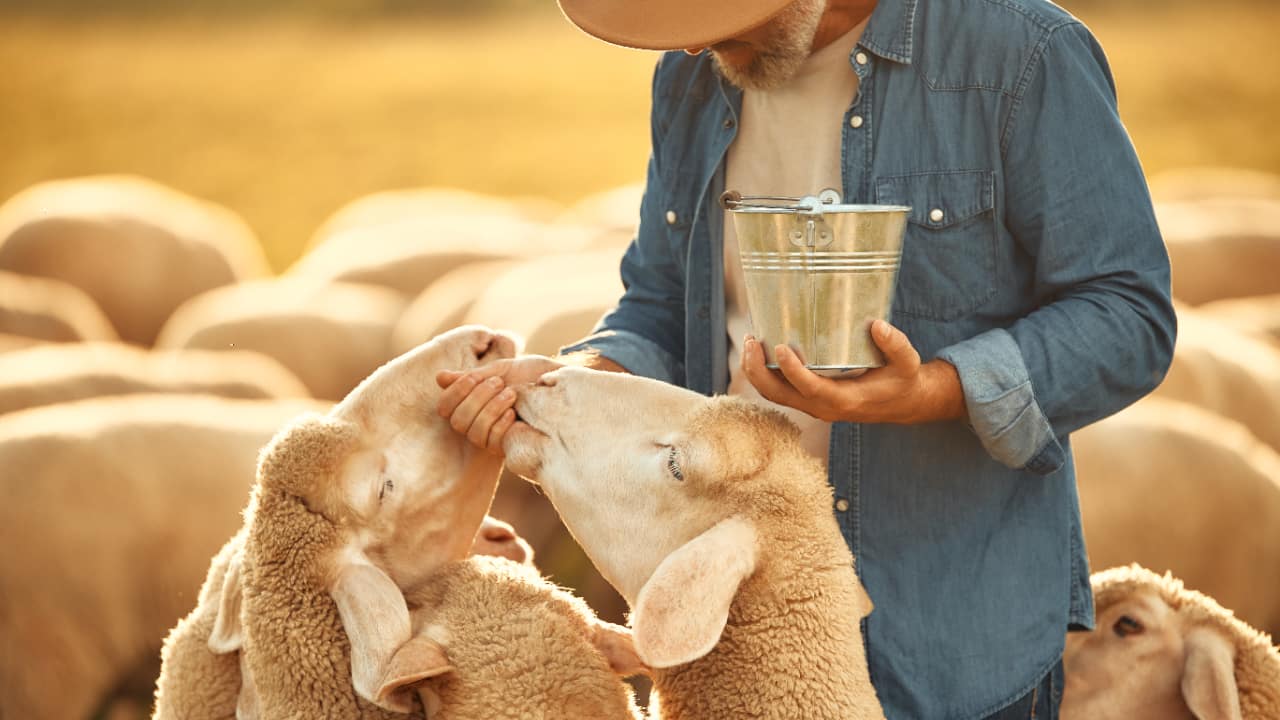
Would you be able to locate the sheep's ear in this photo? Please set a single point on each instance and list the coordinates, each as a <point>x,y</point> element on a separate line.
<point>1208,677</point>
<point>228,633</point>
<point>681,611</point>
<point>247,707</point>
<point>618,646</point>
<point>415,661</point>
<point>376,619</point>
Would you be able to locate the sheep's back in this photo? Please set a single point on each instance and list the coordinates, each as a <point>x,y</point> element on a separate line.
<point>114,507</point>
<point>520,646</point>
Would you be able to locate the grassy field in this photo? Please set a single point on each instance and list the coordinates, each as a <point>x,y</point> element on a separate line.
<point>286,118</point>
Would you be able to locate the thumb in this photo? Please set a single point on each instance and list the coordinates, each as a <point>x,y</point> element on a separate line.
<point>897,349</point>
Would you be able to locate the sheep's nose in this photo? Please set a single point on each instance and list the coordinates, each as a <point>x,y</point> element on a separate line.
<point>482,344</point>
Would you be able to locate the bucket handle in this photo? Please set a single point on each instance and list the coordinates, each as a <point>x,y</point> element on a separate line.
<point>809,204</point>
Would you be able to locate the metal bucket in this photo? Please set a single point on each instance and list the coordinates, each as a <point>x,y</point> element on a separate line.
<point>817,273</point>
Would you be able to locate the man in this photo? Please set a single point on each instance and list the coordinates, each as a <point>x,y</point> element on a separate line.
<point>1032,299</point>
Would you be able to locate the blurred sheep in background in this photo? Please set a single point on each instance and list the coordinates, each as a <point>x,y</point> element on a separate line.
<point>50,311</point>
<point>1231,372</point>
<point>1222,247</point>
<point>446,302</point>
<point>137,248</point>
<point>1254,314</point>
<point>112,509</point>
<point>331,336</point>
<point>393,207</point>
<point>76,371</point>
<point>1174,487</point>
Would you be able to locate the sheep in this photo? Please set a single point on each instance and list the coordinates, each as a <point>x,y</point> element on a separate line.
<point>349,510</point>
<point>1232,373</point>
<point>137,248</point>
<point>331,336</point>
<point>549,315</point>
<point>11,343</point>
<point>1163,651</point>
<point>1222,247</point>
<point>716,526</point>
<point>615,212</point>
<point>65,372</point>
<point>1201,183</point>
<point>1172,486</point>
<point>516,646</point>
<point>50,310</point>
<point>444,305</point>
<point>112,507</point>
<point>1259,314</point>
<point>397,206</point>
<point>409,256</point>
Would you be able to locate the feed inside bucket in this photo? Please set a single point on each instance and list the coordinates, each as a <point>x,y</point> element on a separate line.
<point>817,273</point>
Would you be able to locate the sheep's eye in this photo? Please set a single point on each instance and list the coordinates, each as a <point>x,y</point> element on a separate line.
<point>1126,626</point>
<point>672,466</point>
<point>387,486</point>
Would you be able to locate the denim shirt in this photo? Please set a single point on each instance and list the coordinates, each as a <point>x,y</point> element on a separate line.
<point>1032,263</point>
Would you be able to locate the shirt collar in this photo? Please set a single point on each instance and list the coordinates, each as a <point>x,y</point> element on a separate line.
<point>889,32</point>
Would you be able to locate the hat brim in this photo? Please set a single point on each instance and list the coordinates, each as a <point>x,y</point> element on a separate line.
<point>668,24</point>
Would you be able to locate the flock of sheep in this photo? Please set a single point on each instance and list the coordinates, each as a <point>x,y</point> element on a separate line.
<point>147,355</point>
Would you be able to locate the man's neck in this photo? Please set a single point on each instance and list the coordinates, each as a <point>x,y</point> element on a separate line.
<point>840,17</point>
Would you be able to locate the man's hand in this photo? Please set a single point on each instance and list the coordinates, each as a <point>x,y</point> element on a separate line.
<point>481,403</point>
<point>903,391</point>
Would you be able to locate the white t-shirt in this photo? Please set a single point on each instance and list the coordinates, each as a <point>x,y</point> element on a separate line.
<point>788,144</point>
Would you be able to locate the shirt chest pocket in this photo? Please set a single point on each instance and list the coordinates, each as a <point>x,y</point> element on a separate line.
<point>949,251</point>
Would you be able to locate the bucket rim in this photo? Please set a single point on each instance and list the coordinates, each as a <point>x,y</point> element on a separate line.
<point>851,209</point>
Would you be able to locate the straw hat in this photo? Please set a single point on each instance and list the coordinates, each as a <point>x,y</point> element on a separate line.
<point>669,24</point>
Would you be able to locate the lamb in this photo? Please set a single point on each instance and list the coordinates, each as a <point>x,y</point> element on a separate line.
<point>1255,314</point>
<point>410,255</point>
<point>1162,651</point>
<point>66,372</point>
<point>112,507</point>
<point>49,310</point>
<point>714,524</point>
<point>444,305</point>
<point>586,286</point>
<point>330,336</point>
<point>1172,486</point>
<point>391,207</point>
<point>137,248</point>
<point>1222,247</point>
<point>1232,373</point>
<point>518,647</point>
<point>349,511</point>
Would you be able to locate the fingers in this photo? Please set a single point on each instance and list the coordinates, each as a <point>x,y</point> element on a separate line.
<point>458,385</point>
<point>770,385</point>
<point>499,430</point>
<point>490,402</point>
<point>806,382</point>
<point>897,349</point>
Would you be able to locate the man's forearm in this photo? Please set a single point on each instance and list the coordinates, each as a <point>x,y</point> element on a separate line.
<point>592,361</point>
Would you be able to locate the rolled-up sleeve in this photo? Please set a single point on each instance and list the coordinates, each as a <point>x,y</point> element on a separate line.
<point>1077,204</point>
<point>645,332</point>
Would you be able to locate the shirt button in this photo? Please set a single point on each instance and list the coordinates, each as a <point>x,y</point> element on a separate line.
<point>671,217</point>
<point>842,505</point>
<point>860,58</point>
<point>936,215</point>
<point>728,123</point>
<point>855,121</point>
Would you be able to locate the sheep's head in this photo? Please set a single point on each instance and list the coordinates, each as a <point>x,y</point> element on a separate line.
<point>665,490</point>
<point>1146,659</point>
<point>403,493</point>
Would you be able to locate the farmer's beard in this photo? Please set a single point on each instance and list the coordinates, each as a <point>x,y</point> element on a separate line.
<point>777,59</point>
